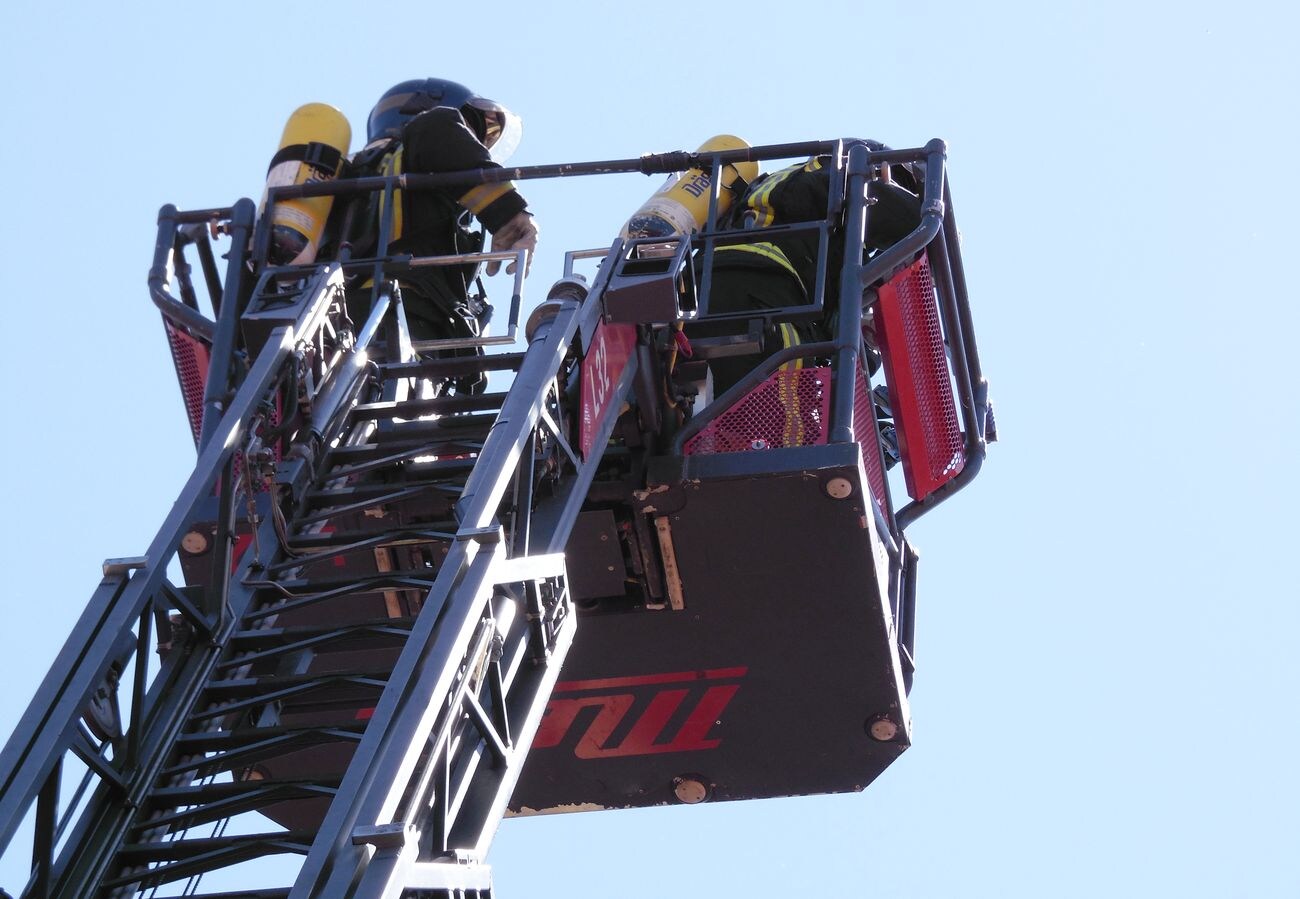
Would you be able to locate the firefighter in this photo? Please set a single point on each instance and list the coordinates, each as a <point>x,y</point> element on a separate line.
<point>430,126</point>
<point>781,272</point>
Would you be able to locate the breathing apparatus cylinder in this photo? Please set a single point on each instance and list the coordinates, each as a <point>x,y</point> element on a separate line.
<point>312,148</point>
<point>681,205</point>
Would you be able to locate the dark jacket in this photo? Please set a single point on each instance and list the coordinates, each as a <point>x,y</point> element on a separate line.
<point>440,141</point>
<point>434,222</point>
<point>799,193</point>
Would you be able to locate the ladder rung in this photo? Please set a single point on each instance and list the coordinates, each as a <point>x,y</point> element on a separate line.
<point>269,893</point>
<point>198,794</point>
<point>243,686</point>
<point>283,636</point>
<point>452,365</point>
<point>221,740</point>
<point>380,493</point>
<point>248,749</point>
<point>443,405</point>
<point>431,532</point>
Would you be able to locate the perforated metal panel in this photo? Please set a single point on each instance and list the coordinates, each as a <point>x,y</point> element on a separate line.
<point>868,435</point>
<point>790,408</point>
<point>920,387</point>
<point>191,358</point>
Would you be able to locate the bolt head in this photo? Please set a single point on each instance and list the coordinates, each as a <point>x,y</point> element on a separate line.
<point>195,543</point>
<point>839,488</point>
<point>690,790</point>
<point>883,729</point>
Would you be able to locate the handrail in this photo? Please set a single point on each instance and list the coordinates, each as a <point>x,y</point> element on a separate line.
<point>173,309</point>
<point>649,164</point>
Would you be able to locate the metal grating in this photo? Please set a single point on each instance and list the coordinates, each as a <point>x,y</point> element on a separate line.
<point>920,387</point>
<point>190,356</point>
<point>868,436</point>
<point>790,408</point>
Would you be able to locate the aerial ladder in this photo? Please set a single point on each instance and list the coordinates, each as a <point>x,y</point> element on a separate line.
<point>391,587</point>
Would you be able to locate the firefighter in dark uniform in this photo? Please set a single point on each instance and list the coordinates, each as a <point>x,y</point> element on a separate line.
<point>781,271</point>
<point>431,126</point>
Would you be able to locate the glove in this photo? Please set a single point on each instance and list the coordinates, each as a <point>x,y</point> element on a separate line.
<point>519,232</point>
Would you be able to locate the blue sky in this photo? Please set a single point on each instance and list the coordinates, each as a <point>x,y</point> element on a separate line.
<point>1105,696</point>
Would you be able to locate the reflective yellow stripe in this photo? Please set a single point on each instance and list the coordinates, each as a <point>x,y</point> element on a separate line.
<point>392,165</point>
<point>788,393</point>
<point>760,201</point>
<point>768,251</point>
<point>789,338</point>
<point>764,214</point>
<point>480,197</point>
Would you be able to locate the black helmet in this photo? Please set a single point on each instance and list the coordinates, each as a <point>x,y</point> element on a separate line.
<point>497,127</point>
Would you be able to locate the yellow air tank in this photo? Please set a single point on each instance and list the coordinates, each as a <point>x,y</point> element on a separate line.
<point>681,205</point>
<point>313,147</point>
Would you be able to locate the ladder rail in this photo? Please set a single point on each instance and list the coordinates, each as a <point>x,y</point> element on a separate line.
<point>44,733</point>
<point>132,593</point>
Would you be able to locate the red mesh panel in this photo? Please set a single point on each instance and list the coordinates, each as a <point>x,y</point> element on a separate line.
<point>190,356</point>
<point>864,426</point>
<point>920,389</point>
<point>790,408</point>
